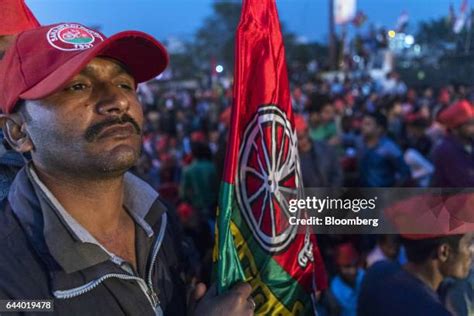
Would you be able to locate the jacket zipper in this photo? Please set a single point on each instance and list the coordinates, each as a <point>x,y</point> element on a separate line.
<point>67,294</point>
<point>146,288</point>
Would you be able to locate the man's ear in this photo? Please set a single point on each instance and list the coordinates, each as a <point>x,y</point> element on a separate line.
<point>444,251</point>
<point>14,131</point>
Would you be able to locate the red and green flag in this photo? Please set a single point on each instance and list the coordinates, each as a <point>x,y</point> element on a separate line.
<point>254,239</point>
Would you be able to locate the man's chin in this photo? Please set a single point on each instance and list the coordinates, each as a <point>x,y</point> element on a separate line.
<point>120,159</point>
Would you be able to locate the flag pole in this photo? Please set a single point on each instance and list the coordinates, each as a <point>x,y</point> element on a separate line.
<point>332,37</point>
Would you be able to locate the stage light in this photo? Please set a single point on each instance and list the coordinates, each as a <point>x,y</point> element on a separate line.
<point>219,69</point>
<point>392,33</point>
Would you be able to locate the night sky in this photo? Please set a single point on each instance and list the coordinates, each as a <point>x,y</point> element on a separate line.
<point>181,18</point>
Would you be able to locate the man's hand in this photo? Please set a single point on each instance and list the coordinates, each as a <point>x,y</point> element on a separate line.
<point>236,302</point>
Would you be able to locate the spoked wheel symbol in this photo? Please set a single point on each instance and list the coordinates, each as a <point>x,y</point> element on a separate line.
<point>268,177</point>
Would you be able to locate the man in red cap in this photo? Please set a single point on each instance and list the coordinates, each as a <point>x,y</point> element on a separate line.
<point>319,163</point>
<point>438,236</point>
<point>199,184</point>
<point>345,286</point>
<point>454,156</point>
<point>77,227</point>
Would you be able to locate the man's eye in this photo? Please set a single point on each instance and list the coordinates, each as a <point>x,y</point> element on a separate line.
<point>125,86</point>
<point>77,87</point>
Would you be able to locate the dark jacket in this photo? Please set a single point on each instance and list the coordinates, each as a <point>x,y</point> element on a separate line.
<point>382,165</point>
<point>41,257</point>
<point>454,164</point>
<point>390,290</point>
<point>320,167</point>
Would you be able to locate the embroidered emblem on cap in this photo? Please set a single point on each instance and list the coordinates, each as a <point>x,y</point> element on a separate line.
<point>72,37</point>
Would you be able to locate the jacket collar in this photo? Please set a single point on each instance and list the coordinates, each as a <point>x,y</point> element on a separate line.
<point>56,234</point>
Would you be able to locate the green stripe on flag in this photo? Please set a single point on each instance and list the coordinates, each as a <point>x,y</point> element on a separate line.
<point>259,268</point>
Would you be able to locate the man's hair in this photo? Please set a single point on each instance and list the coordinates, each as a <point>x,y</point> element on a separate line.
<point>379,118</point>
<point>421,250</point>
<point>386,238</point>
<point>201,150</point>
<point>20,107</point>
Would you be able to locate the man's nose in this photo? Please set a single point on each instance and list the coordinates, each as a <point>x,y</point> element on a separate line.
<point>112,101</point>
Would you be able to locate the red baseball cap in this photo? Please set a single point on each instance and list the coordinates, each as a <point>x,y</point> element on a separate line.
<point>346,255</point>
<point>42,60</point>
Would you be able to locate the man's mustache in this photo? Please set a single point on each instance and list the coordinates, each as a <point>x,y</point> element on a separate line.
<point>93,131</point>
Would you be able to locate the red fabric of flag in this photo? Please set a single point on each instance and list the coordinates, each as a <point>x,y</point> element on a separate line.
<point>262,157</point>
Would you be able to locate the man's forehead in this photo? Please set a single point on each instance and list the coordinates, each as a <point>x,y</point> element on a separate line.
<point>104,64</point>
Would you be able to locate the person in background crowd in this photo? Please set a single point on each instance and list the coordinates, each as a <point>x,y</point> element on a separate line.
<point>198,234</point>
<point>417,147</point>
<point>392,85</point>
<point>454,156</point>
<point>415,133</point>
<point>345,286</point>
<point>394,112</point>
<point>15,17</point>
<point>320,166</point>
<point>458,295</point>
<point>386,249</point>
<point>323,125</point>
<point>411,289</point>
<point>199,185</point>
<point>299,100</point>
<point>381,162</point>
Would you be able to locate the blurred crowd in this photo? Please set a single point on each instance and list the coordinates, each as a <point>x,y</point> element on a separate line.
<point>353,130</point>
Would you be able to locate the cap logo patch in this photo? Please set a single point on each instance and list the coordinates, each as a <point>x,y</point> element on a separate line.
<point>72,37</point>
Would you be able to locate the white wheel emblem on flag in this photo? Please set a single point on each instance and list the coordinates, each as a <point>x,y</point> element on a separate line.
<point>268,176</point>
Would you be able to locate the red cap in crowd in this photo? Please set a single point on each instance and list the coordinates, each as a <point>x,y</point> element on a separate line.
<point>16,17</point>
<point>198,137</point>
<point>300,123</point>
<point>226,116</point>
<point>433,215</point>
<point>346,255</point>
<point>457,114</point>
<point>40,61</point>
<point>185,210</point>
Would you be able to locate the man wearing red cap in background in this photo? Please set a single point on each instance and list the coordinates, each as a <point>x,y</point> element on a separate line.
<point>345,286</point>
<point>199,185</point>
<point>454,156</point>
<point>320,165</point>
<point>439,243</point>
<point>454,167</point>
<point>15,17</point>
<point>77,227</point>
